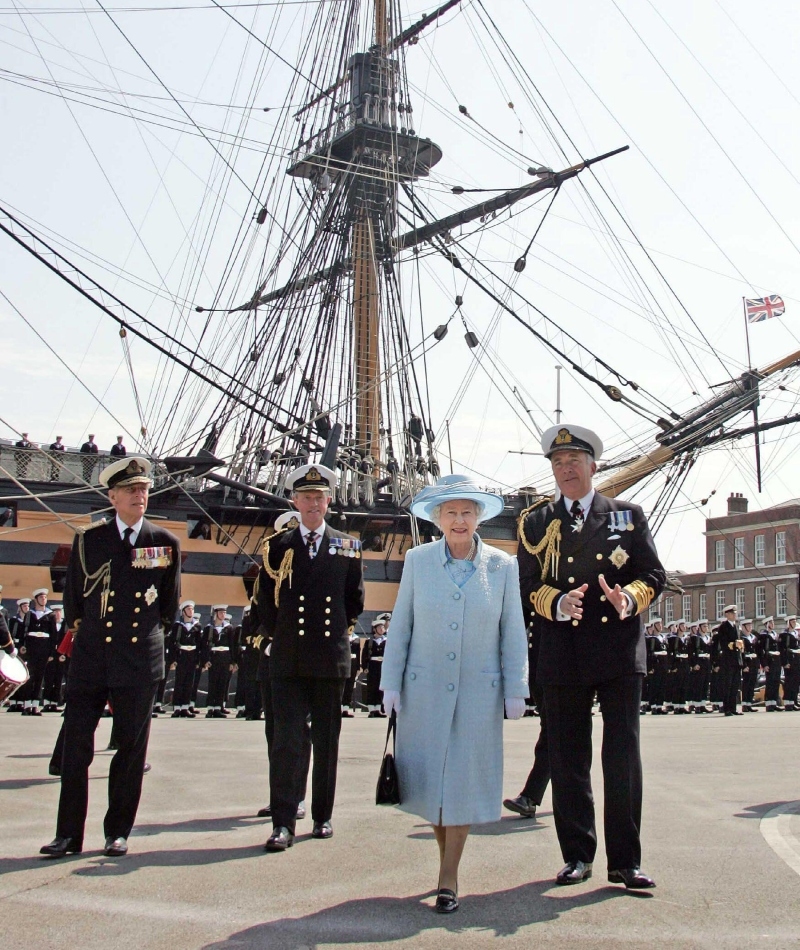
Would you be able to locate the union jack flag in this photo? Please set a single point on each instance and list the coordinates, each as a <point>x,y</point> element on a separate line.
<point>762,308</point>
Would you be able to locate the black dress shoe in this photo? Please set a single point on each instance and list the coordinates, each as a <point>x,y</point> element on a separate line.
<point>280,839</point>
<point>446,901</point>
<point>632,878</point>
<point>265,812</point>
<point>115,847</point>
<point>146,768</point>
<point>59,847</point>
<point>301,811</point>
<point>574,872</point>
<point>347,715</point>
<point>178,714</point>
<point>322,829</point>
<point>54,770</point>
<point>522,805</point>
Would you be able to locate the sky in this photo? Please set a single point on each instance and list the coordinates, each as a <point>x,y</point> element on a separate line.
<point>706,203</point>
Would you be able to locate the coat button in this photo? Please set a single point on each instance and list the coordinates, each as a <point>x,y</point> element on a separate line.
<point>457,596</point>
<point>327,610</point>
<point>109,624</point>
<point>111,593</point>
<point>604,619</point>
<point>454,626</point>
<point>327,600</point>
<point>574,623</point>
<point>110,609</point>
<point>570,560</point>
<point>603,597</point>
<point>301,609</point>
<point>412,676</point>
<point>134,624</point>
<point>301,632</point>
<point>108,639</point>
<point>301,620</point>
<point>136,610</point>
<point>327,623</point>
<point>302,597</point>
<point>327,633</point>
<point>134,639</point>
<point>494,682</point>
<point>450,687</point>
<point>451,656</point>
<point>138,593</point>
<point>599,557</point>
<point>571,580</point>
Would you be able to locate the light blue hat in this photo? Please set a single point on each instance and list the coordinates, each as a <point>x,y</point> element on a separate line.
<point>450,487</point>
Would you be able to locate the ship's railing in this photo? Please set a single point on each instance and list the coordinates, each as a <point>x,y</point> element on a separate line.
<point>372,111</point>
<point>40,465</point>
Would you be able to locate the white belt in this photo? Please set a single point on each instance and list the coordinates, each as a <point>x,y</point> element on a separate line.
<point>353,656</point>
<point>220,649</point>
<point>187,647</point>
<point>774,653</point>
<point>660,653</point>
<point>703,656</point>
<point>751,656</point>
<point>39,633</point>
<point>376,659</point>
<point>794,651</point>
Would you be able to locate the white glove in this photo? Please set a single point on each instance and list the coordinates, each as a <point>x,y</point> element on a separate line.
<point>391,700</point>
<point>515,708</point>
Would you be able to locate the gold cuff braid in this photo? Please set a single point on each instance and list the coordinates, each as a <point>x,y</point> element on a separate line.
<point>542,600</point>
<point>642,594</point>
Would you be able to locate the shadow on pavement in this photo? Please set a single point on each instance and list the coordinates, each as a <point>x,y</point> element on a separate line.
<point>196,825</point>
<point>758,811</point>
<point>506,826</point>
<point>378,920</point>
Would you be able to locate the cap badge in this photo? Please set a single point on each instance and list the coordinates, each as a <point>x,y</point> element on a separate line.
<point>564,437</point>
<point>313,475</point>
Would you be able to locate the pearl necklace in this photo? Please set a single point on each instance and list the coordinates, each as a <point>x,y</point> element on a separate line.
<point>471,553</point>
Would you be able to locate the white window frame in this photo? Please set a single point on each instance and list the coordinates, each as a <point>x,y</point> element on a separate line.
<point>738,552</point>
<point>719,555</point>
<point>669,610</point>
<point>703,611</point>
<point>761,601</point>
<point>739,600</point>
<point>781,601</point>
<point>719,604</point>
<point>760,555</point>
<point>686,606</point>
<point>780,547</point>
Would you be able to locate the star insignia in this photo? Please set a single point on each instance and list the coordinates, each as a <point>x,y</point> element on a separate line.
<point>150,594</point>
<point>618,556</point>
<point>578,525</point>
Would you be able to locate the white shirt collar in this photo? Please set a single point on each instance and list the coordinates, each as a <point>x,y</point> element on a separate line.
<point>305,532</point>
<point>122,527</point>
<point>585,502</point>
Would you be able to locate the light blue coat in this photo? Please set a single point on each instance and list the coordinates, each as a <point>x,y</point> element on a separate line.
<point>454,656</point>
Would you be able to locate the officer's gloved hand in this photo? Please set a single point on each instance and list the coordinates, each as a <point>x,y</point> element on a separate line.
<point>515,708</point>
<point>391,700</point>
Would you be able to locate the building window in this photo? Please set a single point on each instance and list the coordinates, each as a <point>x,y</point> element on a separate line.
<point>720,604</point>
<point>759,559</point>
<point>780,600</point>
<point>739,598</point>
<point>653,610</point>
<point>669,611</point>
<point>780,547</point>
<point>704,607</point>
<point>687,607</point>
<point>720,555</point>
<point>761,601</point>
<point>738,552</point>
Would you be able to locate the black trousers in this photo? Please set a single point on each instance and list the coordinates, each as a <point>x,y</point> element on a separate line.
<point>698,680</point>
<point>680,693</point>
<point>731,684</point>
<point>772,687</point>
<point>349,684</point>
<point>265,685</point>
<point>53,678</point>
<point>294,698</point>
<point>185,669</point>
<point>569,734</point>
<point>539,776</point>
<point>218,677</point>
<point>133,708</point>
<point>658,687</point>
<point>749,680</point>
<point>791,681</point>
<point>36,658</point>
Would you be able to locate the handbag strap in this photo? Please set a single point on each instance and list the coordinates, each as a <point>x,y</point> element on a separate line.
<point>391,731</point>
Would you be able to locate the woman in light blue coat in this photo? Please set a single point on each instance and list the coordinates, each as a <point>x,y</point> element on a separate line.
<point>457,654</point>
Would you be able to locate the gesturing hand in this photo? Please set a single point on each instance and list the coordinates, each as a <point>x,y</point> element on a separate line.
<point>572,602</point>
<point>616,597</point>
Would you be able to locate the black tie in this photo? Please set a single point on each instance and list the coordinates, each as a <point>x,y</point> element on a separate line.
<point>311,541</point>
<point>576,511</point>
<point>126,537</point>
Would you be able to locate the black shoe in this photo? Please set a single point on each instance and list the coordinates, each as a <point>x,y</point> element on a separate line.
<point>59,847</point>
<point>265,812</point>
<point>574,872</point>
<point>346,714</point>
<point>54,769</point>
<point>146,768</point>
<point>446,901</point>
<point>154,715</point>
<point>210,714</point>
<point>178,714</point>
<point>280,839</point>
<point>240,714</point>
<point>522,805</point>
<point>190,713</point>
<point>115,847</point>
<point>112,747</point>
<point>301,811</point>
<point>35,711</point>
<point>632,878</point>
<point>322,829</point>
<point>373,715</point>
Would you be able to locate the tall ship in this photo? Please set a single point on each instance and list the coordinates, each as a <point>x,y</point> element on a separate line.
<point>351,251</point>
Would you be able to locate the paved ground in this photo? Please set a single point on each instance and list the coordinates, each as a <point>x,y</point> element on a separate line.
<point>721,836</point>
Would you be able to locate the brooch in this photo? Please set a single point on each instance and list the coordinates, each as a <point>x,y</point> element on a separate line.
<point>150,594</point>
<point>618,556</point>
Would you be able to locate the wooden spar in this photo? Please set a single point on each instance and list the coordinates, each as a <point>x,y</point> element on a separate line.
<point>366,315</point>
<point>780,364</point>
<point>622,480</point>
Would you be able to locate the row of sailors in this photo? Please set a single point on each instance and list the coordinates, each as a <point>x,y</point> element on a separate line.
<point>685,666</point>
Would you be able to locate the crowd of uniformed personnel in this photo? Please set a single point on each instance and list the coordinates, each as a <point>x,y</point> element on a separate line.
<point>40,635</point>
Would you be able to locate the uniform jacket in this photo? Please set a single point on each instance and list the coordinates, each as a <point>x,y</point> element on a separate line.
<point>769,647</point>
<point>119,638</point>
<point>309,627</point>
<point>180,636</point>
<point>454,654</point>
<point>225,636</point>
<point>727,635</point>
<point>790,648</point>
<point>615,541</point>
<point>39,625</point>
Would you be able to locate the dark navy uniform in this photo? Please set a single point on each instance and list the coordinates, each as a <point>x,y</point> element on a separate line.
<point>118,599</point>
<point>18,627</point>
<point>729,647</point>
<point>598,653</point>
<point>54,675</point>
<point>89,451</point>
<point>750,667</point>
<point>185,650</point>
<point>23,457</point>
<point>770,657</point>
<point>39,652</point>
<point>700,663</point>
<point>355,665</point>
<point>372,663</point>
<point>308,622</point>
<point>660,660</point>
<point>680,670</point>
<point>790,660</point>
<point>220,651</point>
<point>249,658</point>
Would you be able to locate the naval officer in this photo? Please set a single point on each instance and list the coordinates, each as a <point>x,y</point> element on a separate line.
<point>588,568</point>
<point>122,589</point>
<point>308,621</point>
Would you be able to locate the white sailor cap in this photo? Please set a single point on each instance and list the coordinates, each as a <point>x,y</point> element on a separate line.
<point>790,617</point>
<point>246,610</point>
<point>715,628</point>
<point>386,616</point>
<point>287,519</point>
<point>56,607</point>
<point>576,438</point>
<point>656,620</point>
<point>693,624</point>
<point>769,619</point>
<point>217,607</point>
<point>682,620</point>
<point>729,608</point>
<point>186,603</point>
<point>133,470</point>
<point>40,590</point>
<point>23,600</point>
<point>748,621</point>
<point>312,478</point>
<point>378,622</point>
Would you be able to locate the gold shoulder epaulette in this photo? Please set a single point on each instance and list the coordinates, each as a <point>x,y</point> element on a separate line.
<point>88,527</point>
<point>550,543</point>
<point>285,569</point>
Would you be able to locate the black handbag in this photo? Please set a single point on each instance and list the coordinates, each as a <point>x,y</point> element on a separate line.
<point>388,790</point>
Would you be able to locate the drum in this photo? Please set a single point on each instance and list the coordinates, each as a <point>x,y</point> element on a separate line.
<point>13,674</point>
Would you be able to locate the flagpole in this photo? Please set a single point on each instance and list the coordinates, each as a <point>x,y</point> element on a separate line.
<point>747,333</point>
<point>755,405</point>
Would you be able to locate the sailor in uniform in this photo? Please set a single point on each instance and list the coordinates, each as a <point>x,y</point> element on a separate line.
<point>730,648</point>
<point>39,650</point>
<point>680,667</point>
<point>185,653</point>
<point>23,456</point>
<point>56,449</point>
<point>660,660</point>
<point>89,451</point>
<point>248,667</point>
<point>715,680</point>
<point>118,450</point>
<point>647,682</point>
<point>770,653</point>
<point>18,627</point>
<point>790,660</point>
<point>588,569</point>
<point>54,673</point>
<point>700,661</point>
<point>220,657</point>
<point>750,668</point>
<point>669,697</point>
<point>355,666</point>
<point>309,621</point>
<point>372,664</point>
<point>122,589</point>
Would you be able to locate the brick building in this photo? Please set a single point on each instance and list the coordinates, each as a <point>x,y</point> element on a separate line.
<point>752,560</point>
